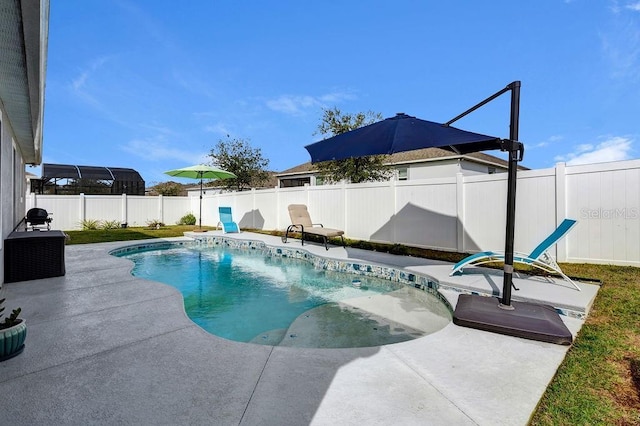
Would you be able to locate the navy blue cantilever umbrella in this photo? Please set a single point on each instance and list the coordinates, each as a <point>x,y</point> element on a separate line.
<point>398,134</point>
<point>406,133</point>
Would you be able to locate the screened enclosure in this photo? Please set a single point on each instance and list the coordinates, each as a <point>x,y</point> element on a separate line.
<point>64,179</point>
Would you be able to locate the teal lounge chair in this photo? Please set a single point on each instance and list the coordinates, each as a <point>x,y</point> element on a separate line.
<point>539,258</point>
<point>228,225</point>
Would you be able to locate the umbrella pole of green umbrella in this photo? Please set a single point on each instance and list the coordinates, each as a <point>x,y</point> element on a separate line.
<point>200,216</point>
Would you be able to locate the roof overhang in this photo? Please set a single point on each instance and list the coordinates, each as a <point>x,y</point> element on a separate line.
<point>24,33</point>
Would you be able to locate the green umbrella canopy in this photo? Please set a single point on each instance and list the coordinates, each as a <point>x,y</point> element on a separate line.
<point>201,171</point>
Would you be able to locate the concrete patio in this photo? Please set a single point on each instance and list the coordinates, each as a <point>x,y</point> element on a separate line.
<point>104,347</point>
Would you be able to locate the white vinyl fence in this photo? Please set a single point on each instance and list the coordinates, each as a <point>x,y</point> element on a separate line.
<point>462,213</point>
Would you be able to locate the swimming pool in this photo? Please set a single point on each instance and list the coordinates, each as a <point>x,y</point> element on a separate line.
<point>249,296</point>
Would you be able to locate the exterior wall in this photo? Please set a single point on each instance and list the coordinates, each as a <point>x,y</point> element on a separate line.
<point>471,168</point>
<point>461,213</point>
<point>432,170</point>
<point>12,187</point>
<point>25,27</point>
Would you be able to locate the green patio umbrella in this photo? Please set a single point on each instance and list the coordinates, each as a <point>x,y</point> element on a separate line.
<point>201,171</point>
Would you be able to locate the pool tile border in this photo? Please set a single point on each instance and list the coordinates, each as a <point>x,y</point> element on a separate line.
<point>419,281</point>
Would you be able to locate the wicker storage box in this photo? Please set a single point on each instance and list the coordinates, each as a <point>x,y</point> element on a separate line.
<point>33,255</point>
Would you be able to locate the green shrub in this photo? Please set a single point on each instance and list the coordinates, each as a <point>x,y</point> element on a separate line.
<point>187,219</point>
<point>110,224</point>
<point>90,224</point>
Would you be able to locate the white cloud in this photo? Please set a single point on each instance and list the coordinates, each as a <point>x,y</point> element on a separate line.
<point>80,82</point>
<point>336,97</point>
<point>615,148</point>
<point>293,105</point>
<point>297,104</point>
<point>81,85</point>
<point>550,140</point>
<point>634,6</point>
<point>586,147</point>
<point>621,43</point>
<point>538,145</point>
<point>158,149</point>
<point>218,128</point>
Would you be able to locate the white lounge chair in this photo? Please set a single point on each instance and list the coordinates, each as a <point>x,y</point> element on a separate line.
<point>539,258</point>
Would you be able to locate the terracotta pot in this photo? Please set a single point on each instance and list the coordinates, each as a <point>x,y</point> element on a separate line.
<point>12,340</point>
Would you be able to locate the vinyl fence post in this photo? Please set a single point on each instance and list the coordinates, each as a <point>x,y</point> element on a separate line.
<point>83,208</point>
<point>277,207</point>
<point>254,208</point>
<point>394,200</point>
<point>561,209</point>
<point>123,210</point>
<point>460,216</point>
<point>345,216</point>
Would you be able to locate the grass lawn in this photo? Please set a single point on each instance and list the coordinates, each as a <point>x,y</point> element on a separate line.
<point>598,382</point>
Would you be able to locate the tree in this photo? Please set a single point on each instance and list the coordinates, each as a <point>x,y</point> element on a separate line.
<point>170,189</point>
<point>356,170</point>
<point>238,157</point>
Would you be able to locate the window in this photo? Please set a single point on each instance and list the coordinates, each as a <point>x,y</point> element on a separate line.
<point>319,180</point>
<point>288,183</point>
<point>491,170</point>
<point>403,173</point>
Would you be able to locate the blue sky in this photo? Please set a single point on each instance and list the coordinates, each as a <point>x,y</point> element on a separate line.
<point>154,84</point>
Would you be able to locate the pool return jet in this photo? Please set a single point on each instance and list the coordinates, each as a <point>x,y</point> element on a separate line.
<point>406,133</point>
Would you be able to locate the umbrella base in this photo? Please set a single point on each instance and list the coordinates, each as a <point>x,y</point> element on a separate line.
<point>527,320</point>
<point>199,230</point>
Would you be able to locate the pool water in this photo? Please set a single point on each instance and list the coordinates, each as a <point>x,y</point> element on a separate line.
<point>247,296</point>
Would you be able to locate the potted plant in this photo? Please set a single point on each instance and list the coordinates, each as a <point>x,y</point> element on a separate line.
<point>13,331</point>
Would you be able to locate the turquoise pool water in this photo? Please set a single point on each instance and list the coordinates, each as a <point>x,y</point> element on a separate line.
<point>249,297</point>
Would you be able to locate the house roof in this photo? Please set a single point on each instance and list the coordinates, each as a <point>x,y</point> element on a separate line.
<point>418,155</point>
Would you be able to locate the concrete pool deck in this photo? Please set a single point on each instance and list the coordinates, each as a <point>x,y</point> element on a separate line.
<point>104,347</point>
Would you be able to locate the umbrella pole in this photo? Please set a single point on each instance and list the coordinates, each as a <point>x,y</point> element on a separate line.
<point>515,149</point>
<point>200,215</point>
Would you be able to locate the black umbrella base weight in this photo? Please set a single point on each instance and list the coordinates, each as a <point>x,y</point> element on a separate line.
<point>527,320</point>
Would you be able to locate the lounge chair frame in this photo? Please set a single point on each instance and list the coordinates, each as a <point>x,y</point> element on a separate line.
<point>306,227</point>
<point>539,258</point>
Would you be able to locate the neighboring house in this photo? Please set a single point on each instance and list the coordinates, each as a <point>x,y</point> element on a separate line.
<point>410,165</point>
<point>24,31</point>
